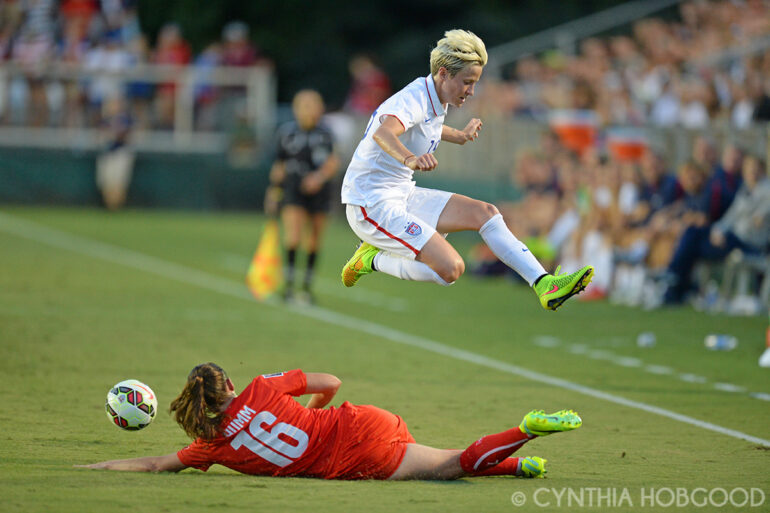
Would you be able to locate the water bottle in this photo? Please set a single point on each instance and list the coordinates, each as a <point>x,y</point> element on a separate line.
<point>720,342</point>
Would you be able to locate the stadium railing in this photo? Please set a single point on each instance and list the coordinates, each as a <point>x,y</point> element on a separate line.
<point>492,155</point>
<point>251,93</point>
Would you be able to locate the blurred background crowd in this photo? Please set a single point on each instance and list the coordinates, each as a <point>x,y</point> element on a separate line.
<point>645,150</point>
<point>103,37</point>
<point>708,66</point>
<point>656,235</point>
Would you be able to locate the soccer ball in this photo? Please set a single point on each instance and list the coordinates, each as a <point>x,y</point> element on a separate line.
<point>131,405</point>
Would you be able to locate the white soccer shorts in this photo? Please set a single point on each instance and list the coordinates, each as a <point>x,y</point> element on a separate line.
<point>399,227</point>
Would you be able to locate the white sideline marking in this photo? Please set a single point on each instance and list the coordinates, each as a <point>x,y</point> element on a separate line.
<point>692,378</point>
<point>546,341</point>
<point>129,258</point>
<point>658,369</point>
<point>550,342</point>
<point>729,387</point>
<point>628,361</point>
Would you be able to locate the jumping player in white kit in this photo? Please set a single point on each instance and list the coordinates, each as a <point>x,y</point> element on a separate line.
<point>399,223</point>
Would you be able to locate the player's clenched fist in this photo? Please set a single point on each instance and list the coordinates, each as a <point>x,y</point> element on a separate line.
<point>424,162</point>
<point>472,129</point>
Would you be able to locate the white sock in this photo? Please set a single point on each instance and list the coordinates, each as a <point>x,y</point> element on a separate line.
<point>406,269</point>
<point>514,253</point>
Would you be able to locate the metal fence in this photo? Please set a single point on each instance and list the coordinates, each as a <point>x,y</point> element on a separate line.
<point>492,156</point>
<point>177,108</point>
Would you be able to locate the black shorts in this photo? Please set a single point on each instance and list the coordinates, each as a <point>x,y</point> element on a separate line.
<point>312,203</point>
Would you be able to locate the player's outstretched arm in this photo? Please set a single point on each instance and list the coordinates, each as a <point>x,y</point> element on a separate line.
<point>323,387</point>
<point>387,137</point>
<point>167,463</point>
<point>469,133</point>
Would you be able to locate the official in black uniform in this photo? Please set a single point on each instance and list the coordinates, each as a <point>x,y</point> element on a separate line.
<point>304,167</point>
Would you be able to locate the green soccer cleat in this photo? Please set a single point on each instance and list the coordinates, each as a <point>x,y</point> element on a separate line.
<point>555,289</point>
<point>538,423</point>
<point>359,264</point>
<point>532,466</point>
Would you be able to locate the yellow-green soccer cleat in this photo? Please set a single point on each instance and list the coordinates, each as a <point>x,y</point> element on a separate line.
<point>359,264</point>
<point>532,466</point>
<point>555,289</point>
<point>539,423</point>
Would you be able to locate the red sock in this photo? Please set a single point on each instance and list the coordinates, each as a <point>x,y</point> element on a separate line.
<point>507,467</point>
<point>490,450</point>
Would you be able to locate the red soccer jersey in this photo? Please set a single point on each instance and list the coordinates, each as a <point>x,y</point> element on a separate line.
<point>267,432</point>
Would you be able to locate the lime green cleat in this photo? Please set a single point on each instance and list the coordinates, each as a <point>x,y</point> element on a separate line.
<point>359,264</point>
<point>532,466</point>
<point>555,289</point>
<point>538,423</point>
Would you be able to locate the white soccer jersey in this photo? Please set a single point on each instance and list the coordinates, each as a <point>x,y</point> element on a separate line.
<point>373,175</point>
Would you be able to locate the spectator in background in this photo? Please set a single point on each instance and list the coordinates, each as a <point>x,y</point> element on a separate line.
<point>237,49</point>
<point>171,50</point>
<point>304,167</point>
<point>691,209</point>
<point>371,86</point>
<point>704,153</point>
<point>78,15</point>
<point>724,182</point>
<point>11,18</point>
<point>745,226</point>
<point>139,93</point>
<point>206,94</point>
<point>114,166</point>
<point>659,187</point>
<point>108,58</point>
<point>33,48</point>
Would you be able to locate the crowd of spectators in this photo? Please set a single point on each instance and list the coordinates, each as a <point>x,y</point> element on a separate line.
<point>663,73</point>
<point>101,36</point>
<point>642,226</point>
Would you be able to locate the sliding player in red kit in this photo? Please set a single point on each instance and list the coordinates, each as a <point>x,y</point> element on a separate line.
<point>264,431</point>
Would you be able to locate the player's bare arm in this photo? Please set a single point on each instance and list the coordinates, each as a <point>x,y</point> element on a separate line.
<point>469,133</point>
<point>387,137</point>
<point>167,463</point>
<point>323,387</point>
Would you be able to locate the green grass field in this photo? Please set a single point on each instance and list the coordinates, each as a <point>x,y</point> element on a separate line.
<point>88,299</point>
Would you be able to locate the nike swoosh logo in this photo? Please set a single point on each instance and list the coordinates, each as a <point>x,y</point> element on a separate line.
<point>554,289</point>
<point>524,250</point>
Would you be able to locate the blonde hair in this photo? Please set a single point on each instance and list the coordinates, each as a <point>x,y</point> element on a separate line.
<point>458,49</point>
